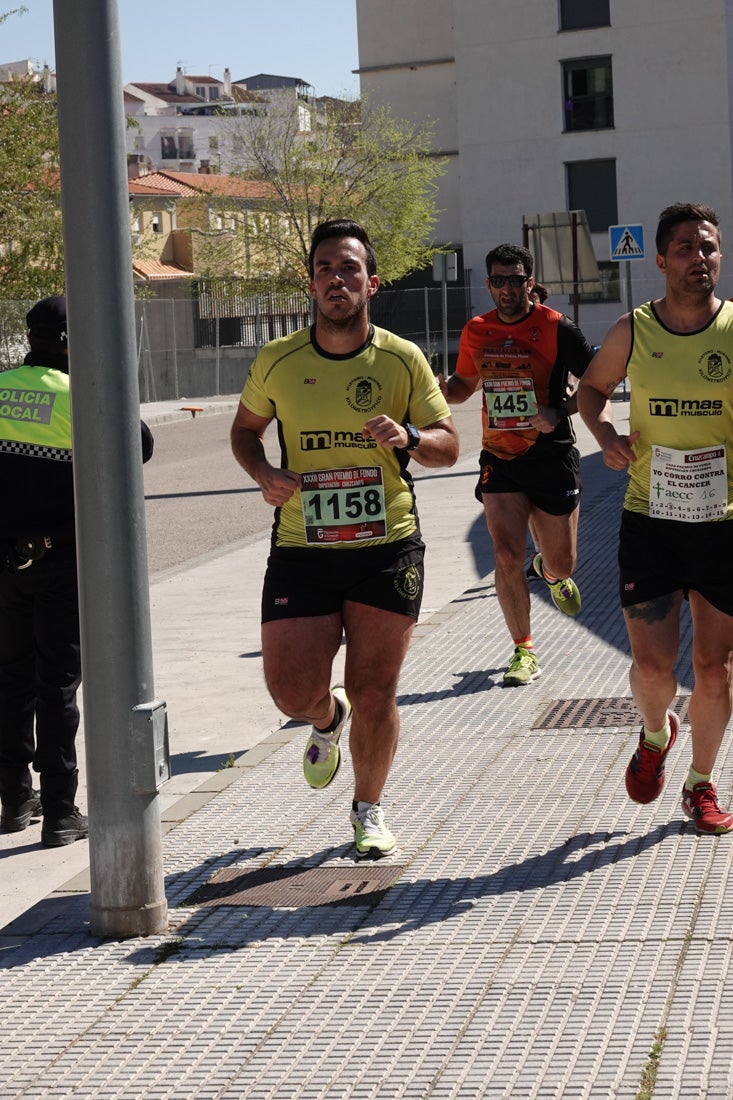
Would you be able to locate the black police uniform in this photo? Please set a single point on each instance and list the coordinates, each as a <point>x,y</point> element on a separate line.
<point>40,665</point>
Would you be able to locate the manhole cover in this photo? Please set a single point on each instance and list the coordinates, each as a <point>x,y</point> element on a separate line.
<point>289,888</point>
<point>593,713</point>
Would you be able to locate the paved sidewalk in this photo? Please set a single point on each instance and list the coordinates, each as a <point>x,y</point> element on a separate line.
<point>535,935</point>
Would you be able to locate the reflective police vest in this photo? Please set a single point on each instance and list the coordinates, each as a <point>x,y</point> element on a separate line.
<point>35,413</point>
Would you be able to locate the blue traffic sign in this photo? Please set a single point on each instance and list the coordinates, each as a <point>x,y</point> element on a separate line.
<point>626,242</point>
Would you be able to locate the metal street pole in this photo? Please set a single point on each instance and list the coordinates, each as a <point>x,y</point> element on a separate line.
<point>444,306</point>
<point>125,726</point>
<point>576,295</point>
<point>629,294</point>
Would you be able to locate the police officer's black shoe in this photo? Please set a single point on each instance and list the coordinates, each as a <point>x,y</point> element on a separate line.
<point>64,830</point>
<point>15,818</point>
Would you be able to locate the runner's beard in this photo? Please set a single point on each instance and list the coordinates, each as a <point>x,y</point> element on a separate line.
<point>346,322</point>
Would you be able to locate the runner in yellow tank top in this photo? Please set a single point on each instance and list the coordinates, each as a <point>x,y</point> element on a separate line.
<point>676,532</point>
<point>682,395</point>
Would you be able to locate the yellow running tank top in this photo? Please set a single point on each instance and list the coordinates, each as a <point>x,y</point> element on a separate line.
<point>682,404</point>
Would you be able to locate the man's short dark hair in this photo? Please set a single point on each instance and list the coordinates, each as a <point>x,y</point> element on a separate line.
<point>342,227</point>
<point>510,255</point>
<point>679,212</point>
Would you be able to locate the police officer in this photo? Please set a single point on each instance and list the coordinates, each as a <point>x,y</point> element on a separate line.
<point>40,665</point>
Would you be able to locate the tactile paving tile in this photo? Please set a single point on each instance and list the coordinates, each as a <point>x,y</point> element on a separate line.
<point>537,934</point>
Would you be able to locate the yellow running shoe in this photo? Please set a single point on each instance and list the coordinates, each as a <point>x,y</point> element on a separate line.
<point>371,834</point>
<point>565,593</point>
<point>322,756</point>
<point>523,668</point>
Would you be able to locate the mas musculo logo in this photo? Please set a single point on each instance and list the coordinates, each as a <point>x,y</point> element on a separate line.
<point>363,394</point>
<point>714,366</point>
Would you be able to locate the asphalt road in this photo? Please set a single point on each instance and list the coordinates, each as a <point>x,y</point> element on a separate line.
<point>198,500</point>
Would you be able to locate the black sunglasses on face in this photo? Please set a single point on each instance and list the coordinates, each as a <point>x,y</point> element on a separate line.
<point>497,281</point>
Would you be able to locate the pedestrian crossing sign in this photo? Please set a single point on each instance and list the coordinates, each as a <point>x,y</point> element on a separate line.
<point>626,242</point>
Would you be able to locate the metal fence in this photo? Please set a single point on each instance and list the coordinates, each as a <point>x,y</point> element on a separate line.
<point>202,346</point>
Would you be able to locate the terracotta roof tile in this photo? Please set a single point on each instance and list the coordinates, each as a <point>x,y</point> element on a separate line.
<point>200,183</point>
<point>166,93</point>
<point>153,269</point>
<point>141,186</point>
<point>161,183</point>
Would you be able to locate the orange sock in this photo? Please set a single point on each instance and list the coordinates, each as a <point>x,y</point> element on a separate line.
<point>525,643</point>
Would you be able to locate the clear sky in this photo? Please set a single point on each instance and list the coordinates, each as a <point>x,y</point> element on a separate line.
<point>311,39</point>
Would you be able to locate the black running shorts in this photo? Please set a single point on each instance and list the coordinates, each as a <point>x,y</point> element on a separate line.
<point>551,482</point>
<point>660,556</point>
<point>302,583</point>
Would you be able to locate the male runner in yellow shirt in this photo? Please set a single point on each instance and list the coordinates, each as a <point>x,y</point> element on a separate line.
<point>353,404</point>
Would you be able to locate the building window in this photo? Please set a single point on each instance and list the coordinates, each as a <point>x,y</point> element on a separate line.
<point>156,224</point>
<point>185,144</point>
<point>576,14</point>
<point>168,147</point>
<point>304,120</point>
<point>610,288</point>
<point>588,94</point>
<point>592,187</point>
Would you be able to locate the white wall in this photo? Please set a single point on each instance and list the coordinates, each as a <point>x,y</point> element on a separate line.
<point>502,103</point>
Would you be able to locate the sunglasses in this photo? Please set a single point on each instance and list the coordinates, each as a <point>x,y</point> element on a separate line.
<point>497,281</point>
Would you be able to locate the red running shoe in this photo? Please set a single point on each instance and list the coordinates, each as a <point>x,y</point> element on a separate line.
<point>645,773</point>
<point>701,804</point>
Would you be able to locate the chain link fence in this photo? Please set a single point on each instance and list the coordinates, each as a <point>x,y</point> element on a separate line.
<point>202,346</point>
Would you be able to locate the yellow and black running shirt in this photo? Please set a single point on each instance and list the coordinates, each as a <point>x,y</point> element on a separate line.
<point>682,404</point>
<point>353,492</point>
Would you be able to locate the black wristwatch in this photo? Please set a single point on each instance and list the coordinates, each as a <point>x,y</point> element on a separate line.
<point>413,436</point>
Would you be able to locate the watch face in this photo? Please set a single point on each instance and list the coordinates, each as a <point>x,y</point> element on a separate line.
<point>413,436</point>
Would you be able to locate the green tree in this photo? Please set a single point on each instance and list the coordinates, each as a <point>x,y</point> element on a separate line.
<point>357,160</point>
<point>31,238</point>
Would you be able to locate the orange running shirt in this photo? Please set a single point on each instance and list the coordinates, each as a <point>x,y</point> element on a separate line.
<point>522,366</point>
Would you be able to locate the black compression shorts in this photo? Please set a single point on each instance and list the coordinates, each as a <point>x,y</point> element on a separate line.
<point>552,483</point>
<point>302,583</point>
<point>660,556</point>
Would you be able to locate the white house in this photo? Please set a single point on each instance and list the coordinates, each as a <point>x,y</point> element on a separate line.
<point>182,125</point>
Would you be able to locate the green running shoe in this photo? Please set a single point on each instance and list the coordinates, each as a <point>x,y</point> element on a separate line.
<point>322,756</point>
<point>372,837</point>
<point>565,593</point>
<point>523,668</point>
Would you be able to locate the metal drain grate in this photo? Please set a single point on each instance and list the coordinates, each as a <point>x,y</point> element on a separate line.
<point>289,888</point>
<point>593,713</point>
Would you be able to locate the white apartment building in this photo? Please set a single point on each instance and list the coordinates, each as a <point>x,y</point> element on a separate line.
<point>186,125</point>
<point>616,107</point>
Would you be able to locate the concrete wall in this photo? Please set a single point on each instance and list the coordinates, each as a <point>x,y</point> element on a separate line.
<point>171,366</point>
